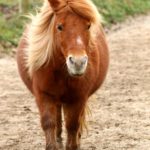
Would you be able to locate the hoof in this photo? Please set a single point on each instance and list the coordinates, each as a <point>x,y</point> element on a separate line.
<point>51,147</point>
<point>73,148</point>
<point>59,143</point>
<point>59,139</point>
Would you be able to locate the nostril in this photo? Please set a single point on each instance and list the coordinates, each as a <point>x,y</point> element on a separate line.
<point>84,60</point>
<point>71,59</point>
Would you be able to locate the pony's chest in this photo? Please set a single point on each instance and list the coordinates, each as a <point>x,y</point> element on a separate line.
<point>62,89</point>
<point>55,86</point>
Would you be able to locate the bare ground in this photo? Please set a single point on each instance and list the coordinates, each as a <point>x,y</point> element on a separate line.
<point>120,117</point>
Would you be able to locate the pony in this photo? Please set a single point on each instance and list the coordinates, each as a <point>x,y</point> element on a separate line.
<point>63,58</point>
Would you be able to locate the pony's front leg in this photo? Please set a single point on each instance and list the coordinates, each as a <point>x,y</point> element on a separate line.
<point>59,127</point>
<point>73,118</point>
<point>59,124</point>
<point>48,113</point>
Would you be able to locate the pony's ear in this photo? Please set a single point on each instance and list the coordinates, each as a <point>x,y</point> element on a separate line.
<point>55,4</point>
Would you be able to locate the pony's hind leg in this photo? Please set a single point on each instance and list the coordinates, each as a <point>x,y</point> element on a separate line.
<point>48,113</point>
<point>73,116</point>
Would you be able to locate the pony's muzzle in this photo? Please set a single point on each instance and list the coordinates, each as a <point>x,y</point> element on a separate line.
<point>77,64</point>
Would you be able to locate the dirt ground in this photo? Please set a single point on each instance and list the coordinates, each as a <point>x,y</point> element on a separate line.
<point>120,117</point>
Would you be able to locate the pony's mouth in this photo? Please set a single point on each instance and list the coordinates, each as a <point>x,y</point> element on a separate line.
<point>76,74</point>
<point>73,71</point>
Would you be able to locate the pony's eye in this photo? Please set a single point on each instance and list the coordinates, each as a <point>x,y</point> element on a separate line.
<point>60,27</point>
<point>89,26</point>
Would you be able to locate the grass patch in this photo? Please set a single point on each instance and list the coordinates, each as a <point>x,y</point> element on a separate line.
<point>11,30</point>
<point>117,10</point>
<point>12,23</point>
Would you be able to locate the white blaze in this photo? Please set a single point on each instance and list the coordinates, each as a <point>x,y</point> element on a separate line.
<point>79,40</point>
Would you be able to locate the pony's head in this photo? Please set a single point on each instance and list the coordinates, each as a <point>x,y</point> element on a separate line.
<point>69,26</point>
<point>72,38</point>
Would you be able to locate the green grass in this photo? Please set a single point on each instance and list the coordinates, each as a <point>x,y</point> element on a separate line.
<point>117,10</point>
<point>8,2</point>
<point>113,11</point>
<point>10,30</point>
<point>11,24</point>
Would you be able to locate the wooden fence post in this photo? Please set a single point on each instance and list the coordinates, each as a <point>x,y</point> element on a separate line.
<point>24,6</point>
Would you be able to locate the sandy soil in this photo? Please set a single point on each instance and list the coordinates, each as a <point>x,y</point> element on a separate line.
<point>120,117</point>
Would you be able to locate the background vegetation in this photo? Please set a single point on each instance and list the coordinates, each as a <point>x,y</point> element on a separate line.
<point>12,22</point>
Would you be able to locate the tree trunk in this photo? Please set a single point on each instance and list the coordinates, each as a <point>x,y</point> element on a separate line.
<point>23,6</point>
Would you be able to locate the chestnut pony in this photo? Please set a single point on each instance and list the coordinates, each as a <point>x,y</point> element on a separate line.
<point>62,59</point>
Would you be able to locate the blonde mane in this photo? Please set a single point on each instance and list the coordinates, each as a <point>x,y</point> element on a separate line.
<point>40,33</point>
